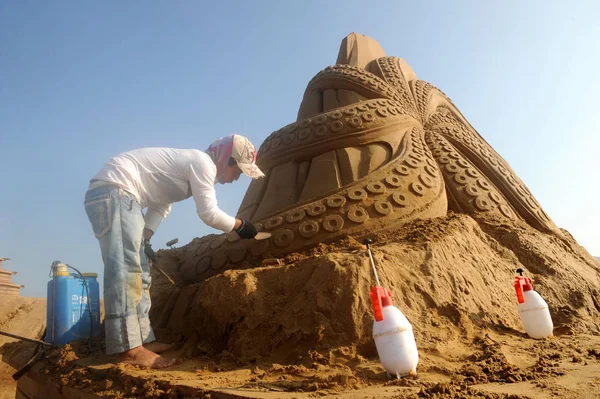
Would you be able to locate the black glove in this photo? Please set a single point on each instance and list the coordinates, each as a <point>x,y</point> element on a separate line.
<point>150,254</point>
<point>246,230</point>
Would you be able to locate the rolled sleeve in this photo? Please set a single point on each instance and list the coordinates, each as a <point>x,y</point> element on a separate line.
<point>202,177</point>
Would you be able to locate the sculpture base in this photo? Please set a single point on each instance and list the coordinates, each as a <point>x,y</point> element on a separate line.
<point>303,328</point>
<point>452,277</point>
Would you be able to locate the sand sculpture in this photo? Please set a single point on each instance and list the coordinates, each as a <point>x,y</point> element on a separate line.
<point>7,287</point>
<point>373,148</point>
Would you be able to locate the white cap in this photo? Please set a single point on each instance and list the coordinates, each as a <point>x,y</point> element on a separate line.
<point>244,154</point>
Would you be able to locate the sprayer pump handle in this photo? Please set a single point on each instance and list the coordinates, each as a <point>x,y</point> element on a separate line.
<point>520,271</point>
<point>367,241</point>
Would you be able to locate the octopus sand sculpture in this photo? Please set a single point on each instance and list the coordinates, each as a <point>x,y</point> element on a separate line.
<point>372,149</point>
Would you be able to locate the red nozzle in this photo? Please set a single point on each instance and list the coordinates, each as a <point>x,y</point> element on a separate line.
<point>522,284</point>
<point>380,297</point>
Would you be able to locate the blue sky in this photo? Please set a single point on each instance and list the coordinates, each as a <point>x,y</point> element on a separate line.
<point>82,81</point>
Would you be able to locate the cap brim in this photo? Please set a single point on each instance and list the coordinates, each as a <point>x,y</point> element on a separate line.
<point>251,170</point>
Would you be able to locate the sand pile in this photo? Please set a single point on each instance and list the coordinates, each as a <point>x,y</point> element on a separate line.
<point>302,328</point>
<point>23,316</point>
<point>451,276</point>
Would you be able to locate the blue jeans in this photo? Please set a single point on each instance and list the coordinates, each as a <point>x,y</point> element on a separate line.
<point>118,223</point>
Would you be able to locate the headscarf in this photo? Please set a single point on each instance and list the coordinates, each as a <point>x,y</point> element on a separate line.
<point>236,147</point>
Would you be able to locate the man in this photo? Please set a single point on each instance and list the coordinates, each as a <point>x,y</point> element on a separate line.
<point>154,178</point>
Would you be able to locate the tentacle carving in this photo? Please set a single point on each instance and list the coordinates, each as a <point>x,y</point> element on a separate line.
<point>407,188</point>
<point>373,148</point>
<point>447,122</point>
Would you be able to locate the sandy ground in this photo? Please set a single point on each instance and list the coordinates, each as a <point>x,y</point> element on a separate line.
<point>7,385</point>
<point>302,329</point>
<point>496,365</point>
<point>21,316</point>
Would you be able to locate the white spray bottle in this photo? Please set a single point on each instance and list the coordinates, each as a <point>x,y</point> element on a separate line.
<point>392,332</point>
<point>533,310</point>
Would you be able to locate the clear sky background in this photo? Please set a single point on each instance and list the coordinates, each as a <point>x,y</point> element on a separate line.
<point>82,81</point>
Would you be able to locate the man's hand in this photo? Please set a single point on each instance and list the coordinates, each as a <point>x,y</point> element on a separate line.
<point>246,230</point>
<point>149,252</point>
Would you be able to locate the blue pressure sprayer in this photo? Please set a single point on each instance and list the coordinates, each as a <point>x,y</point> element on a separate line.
<point>73,305</point>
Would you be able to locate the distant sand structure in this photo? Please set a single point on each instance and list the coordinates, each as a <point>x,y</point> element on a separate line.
<point>7,287</point>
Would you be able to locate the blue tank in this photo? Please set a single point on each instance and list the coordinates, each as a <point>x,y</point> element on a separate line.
<point>94,287</point>
<point>67,316</point>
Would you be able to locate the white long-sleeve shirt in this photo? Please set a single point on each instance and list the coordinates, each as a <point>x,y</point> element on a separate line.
<point>158,177</point>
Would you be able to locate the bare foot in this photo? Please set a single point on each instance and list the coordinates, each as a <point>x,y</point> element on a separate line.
<point>158,347</point>
<point>142,357</point>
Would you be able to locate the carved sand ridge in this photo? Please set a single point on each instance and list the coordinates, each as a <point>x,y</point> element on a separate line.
<point>373,148</point>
